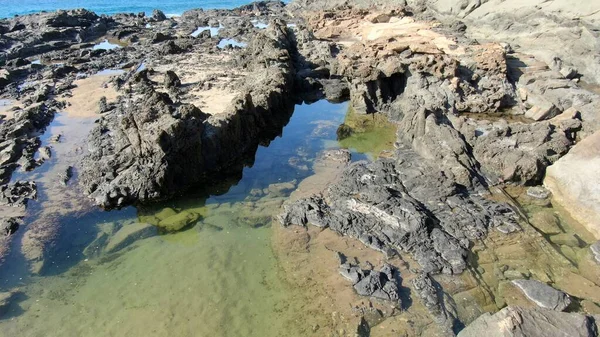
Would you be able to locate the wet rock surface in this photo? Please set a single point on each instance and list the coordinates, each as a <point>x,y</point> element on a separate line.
<point>470,116</point>
<point>382,284</point>
<point>384,205</point>
<point>515,321</point>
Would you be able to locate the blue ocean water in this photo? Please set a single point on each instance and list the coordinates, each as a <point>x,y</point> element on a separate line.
<point>9,8</point>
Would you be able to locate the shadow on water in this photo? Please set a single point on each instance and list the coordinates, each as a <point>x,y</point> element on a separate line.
<point>226,247</point>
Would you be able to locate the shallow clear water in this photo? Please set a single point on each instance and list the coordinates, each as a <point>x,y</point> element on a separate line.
<point>10,8</point>
<point>218,277</point>
<point>214,31</point>
<point>106,45</point>
<point>231,42</point>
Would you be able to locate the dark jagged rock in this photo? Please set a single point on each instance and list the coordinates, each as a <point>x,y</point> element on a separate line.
<point>19,140</point>
<point>152,147</point>
<point>406,205</point>
<point>45,32</point>
<point>17,194</point>
<point>160,37</point>
<point>158,15</point>
<point>65,176</point>
<point>436,302</point>
<point>377,284</point>
<point>536,322</point>
<point>171,80</point>
<point>8,226</point>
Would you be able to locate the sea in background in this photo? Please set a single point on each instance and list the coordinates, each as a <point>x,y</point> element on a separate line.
<point>10,8</point>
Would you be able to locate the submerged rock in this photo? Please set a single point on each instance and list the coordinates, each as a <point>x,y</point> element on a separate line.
<point>538,192</point>
<point>387,205</point>
<point>380,284</point>
<point>543,295</point>
<point>436,302</point>
<point>5,301</point>
<point>9,226</point>
<point>178,221</point>
<point>536,322</point>
<point>129,234</point>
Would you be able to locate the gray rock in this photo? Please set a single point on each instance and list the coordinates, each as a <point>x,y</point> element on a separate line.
<point>158,15</point>
<point>538,192</point>
<point>388,205</point>
<point>380,284</point>
<point>543,295</point>
<point>153,147</point>
<point>129,234</point>
<point>18,194</point>
<point>536,322</point>
<point>171,80</point>
<point>595,248</point>
<point>432,297</point>
<point>9,226</point>
<point>335,90</point>
<point>65,176</point>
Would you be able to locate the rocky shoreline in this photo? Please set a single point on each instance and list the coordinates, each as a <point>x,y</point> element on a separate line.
<point>191,99</point>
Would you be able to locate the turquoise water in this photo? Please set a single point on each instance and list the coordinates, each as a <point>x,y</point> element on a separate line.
<point>10,8</point>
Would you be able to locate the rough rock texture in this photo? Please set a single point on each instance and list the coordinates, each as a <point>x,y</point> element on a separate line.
<point>405,205</point>
<point>380,284</point>
<point>58,29</point>
<point>436,302</point>
<point>151,147</point>
<point>573,180</point>
<point>543,295</point>
<point>17,194</point>
<point>538,322</point>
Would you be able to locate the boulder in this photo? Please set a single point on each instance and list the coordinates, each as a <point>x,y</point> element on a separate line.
<point>538,192</point>
<point>573,182</point>
<point>543,295</point>
<point>171,80</point>
<point>129,234</point>
<point>535,322</point>
<point>377,284</point>
<point>158,15</point>
<point>565,239</point>
<point>178,221</point>
<point>8,226</point>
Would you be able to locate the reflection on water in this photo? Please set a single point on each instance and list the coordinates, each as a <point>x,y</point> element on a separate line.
<point>231,42</point>
<point>106,45</point>
<point>259,24</point>
<point>214,31</point>
<point>197,265</point>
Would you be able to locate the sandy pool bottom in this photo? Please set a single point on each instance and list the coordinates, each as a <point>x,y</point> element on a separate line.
<point>231,287</point>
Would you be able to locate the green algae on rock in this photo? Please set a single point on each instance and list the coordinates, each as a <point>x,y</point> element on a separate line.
<point>367,133</point>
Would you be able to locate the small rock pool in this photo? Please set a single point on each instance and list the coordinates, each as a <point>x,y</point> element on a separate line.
<point>122,273</point>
